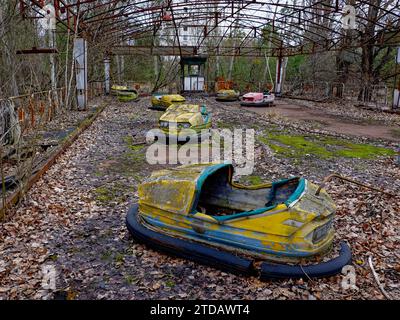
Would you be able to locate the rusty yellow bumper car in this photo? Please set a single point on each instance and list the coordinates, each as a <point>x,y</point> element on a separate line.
<point>227,95</point>
<point>184,121</point>
<point>197,212</point>
<point>128,95</point>
<point>160,101</point>
<point>116,88</point>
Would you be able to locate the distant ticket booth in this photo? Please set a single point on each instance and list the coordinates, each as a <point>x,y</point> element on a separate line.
<point>193,79</point>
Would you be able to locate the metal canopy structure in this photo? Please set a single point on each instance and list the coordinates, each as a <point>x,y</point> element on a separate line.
<point>225,27</point>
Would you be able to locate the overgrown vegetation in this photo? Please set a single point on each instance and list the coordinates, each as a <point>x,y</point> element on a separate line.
<point>251,180</point>
<point>297,146</point>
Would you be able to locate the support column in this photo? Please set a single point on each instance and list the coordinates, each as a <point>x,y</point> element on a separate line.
<point>217,63</point>
<point>155,66</point>
<point>396,91</point>
<point>48,22</point>
<point>52,44</point>
<point>278,77</point>
<point>80,56</point>
<point>280,74</point>
<point>182,76</point>
<point>122,61</point>
<point>118,63</point>
<point>107,75</point>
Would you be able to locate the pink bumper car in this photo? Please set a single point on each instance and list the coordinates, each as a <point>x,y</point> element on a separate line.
<point>258,99</point>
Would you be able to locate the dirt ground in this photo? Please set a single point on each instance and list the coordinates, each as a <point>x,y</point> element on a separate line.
<point>73,219</point>
<point>298,110</point>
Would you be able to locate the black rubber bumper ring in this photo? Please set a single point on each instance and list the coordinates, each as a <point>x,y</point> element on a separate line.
<point>325,269</point>
<point>185,249</point>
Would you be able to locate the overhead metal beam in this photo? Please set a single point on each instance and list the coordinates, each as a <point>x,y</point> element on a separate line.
<point>294,24</point>
<point>155,50</point>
